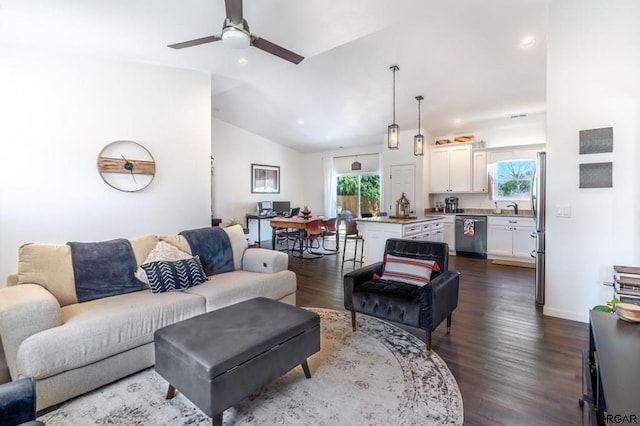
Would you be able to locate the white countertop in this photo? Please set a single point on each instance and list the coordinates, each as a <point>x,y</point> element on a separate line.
<point>387,219</point>
<point>526,214</point>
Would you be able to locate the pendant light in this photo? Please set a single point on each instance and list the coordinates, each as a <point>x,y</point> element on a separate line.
<point>418,140</point>
<point>393,132</point>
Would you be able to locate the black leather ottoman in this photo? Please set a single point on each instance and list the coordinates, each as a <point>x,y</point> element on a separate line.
<point>221,357</point>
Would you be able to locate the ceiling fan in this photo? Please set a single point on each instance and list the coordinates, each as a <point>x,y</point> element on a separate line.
<point>236,34</point>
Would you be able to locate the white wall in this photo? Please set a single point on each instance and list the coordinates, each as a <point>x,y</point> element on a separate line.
<point>57,114</point>
<point>234,150</point>
<point>508,131</point>
<point>592,66</point>
<point>404,156</point>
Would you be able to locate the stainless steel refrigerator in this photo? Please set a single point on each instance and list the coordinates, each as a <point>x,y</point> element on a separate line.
<point>538,207</point>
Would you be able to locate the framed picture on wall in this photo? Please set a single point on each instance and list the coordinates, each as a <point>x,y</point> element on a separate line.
<point>265,179</point>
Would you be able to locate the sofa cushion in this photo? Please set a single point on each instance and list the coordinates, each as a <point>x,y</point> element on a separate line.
<point>48,265</point>
<point>213,247</point>
<point>239,244</point>
<point>177,241</point>
<point>174,275</point>
<point>103,269</point>
<point>95,330</point>
<point>162,251</point>
<point>233,287</point>
<point>142,246</point>
<point>408,270</point>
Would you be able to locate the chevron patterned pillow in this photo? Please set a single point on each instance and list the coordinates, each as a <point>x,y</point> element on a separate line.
<point>178,275</point>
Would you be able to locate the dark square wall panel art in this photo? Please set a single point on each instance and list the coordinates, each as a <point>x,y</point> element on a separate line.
<point>596,175</point>
<point>596,141</point>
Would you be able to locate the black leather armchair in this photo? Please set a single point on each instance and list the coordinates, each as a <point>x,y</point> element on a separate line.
<point>18,403</point>
<point>423,307</point>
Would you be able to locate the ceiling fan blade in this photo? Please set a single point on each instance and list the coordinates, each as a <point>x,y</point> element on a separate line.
<point>274,49</point>
<point>234,10</point>
<point>195,42</point>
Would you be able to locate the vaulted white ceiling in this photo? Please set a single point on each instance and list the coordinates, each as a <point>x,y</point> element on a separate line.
<point>463,56</point>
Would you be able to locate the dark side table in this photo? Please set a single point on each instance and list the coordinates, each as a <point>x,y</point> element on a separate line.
<point>611,371</point>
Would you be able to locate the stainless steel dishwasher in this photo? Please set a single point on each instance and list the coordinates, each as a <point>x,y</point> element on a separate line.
<point>471,236</point>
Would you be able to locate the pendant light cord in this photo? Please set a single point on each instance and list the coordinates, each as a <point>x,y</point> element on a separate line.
<point>394,96</point>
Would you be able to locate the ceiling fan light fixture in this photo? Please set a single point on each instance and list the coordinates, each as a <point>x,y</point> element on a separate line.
<point>393,131</point>
<point>235,38</point>
<point>418,140</point>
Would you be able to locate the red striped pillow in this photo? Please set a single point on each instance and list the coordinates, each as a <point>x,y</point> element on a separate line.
<point>408,270</point>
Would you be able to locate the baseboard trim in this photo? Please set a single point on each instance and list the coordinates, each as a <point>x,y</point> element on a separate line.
<point>560,313</point>
<point>514,263</point>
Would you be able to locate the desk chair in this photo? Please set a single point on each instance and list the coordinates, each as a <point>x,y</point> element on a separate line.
<point>351,233</point>
<point>294,212</point>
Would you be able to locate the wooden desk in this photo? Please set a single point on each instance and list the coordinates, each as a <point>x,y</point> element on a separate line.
<point>298,223</point>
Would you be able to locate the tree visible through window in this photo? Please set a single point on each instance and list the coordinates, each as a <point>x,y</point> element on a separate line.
<point>359,193</point>
<point>512,180</point>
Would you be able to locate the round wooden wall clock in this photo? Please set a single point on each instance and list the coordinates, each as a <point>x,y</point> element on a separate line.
<point>126,166</point>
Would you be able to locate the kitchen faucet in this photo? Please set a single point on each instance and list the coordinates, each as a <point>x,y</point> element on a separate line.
<point>515,207</point>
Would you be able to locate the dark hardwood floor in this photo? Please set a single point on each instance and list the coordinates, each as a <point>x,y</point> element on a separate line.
<point>513,365</point>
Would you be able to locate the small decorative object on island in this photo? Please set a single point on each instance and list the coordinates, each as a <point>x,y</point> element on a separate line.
<point>403,206</point>
<point>306,213</point>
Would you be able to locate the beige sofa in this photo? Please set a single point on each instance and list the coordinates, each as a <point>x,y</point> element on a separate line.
<point>72,348</point>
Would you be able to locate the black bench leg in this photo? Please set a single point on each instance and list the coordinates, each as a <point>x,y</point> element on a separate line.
<point>171,392</point>
<point>305,367</point>
<point>428,342</point>
<point>217,420</point>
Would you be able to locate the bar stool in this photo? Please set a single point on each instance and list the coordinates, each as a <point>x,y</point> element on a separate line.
<point>351,233</point>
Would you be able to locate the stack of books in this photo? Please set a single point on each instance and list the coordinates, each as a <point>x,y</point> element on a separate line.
<point>627,283</point>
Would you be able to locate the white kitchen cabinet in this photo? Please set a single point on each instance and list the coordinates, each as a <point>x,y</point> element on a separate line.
<point>510,238</point>
<point>479,172</point>
<point>450,233</point>
<point>450,169</point>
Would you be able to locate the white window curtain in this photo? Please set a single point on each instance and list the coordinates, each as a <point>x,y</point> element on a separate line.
<point>330,183</point>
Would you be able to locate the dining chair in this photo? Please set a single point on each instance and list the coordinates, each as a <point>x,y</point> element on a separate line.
<point>330,229</point>
<point>313,234</point>
<point>351,233</point>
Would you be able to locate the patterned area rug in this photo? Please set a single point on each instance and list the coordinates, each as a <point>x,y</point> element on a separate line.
<point>377,375</point>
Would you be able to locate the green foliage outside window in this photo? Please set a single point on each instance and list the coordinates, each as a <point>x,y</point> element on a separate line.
<point>514,179</point>
<point>370,186</point>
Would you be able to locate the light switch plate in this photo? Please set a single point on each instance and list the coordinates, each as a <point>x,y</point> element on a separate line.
<point>563,210</point>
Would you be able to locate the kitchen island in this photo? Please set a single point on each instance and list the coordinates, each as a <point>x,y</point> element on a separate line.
<point>376,231</point>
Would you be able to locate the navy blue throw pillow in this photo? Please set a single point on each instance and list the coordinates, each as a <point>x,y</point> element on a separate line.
<point>179,275</point>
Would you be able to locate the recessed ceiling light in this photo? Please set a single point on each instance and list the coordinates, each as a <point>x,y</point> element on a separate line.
<point>243,61</point>
<point>300,121</point>
<point>457,121</point>
<point>527,41</point>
